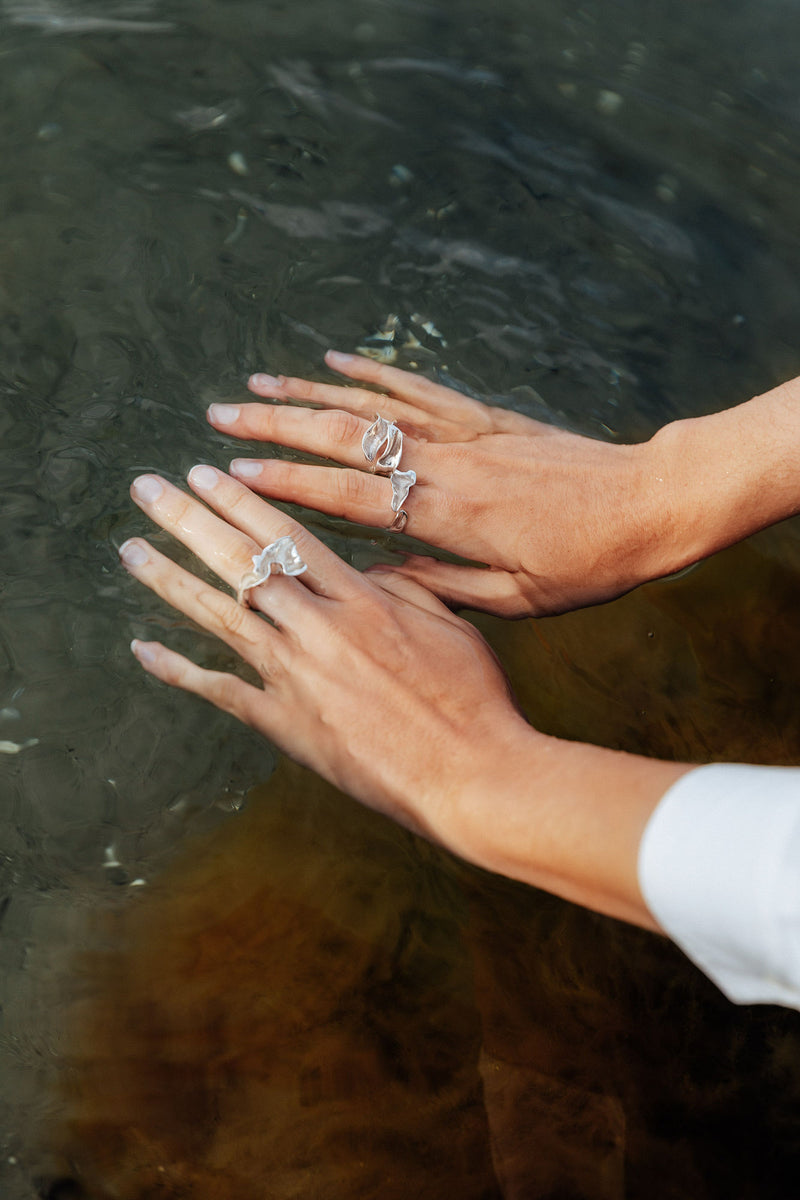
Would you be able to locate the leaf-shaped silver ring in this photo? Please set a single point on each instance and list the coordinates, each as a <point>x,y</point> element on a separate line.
<point>282,555</point>
<point>382,444</point>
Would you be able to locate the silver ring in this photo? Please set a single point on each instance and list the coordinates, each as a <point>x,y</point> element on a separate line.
<point>282,555</point>
<point>382,444</point>
<point>382,435</point>
<point>402,483</point>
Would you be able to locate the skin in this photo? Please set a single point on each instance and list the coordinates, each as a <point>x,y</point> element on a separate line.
<point>559,521</point>
<point>334,637</point>
<point>373,682</point>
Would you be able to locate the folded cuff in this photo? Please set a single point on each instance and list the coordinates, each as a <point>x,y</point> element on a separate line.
<point>719,869</point>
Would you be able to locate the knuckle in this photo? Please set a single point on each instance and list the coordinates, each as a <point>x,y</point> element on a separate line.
<point>182,509</point>
<point>342,428</point>
<point>237,496</point>
<point>226,613</point>
<point>353,488</point>
<point>300,389</point>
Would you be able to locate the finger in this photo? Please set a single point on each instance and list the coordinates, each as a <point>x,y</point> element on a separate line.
<point>359,401</point>
<point>336,435</point>
<point>484,589</point>
<point>414,389</point>
<point>228,545</point>
<point>353,400</point>
<point>253,706</point>
<point>244,631</point>
<point>354,495</point>
<point>405,588</point>
<point>326,574</point>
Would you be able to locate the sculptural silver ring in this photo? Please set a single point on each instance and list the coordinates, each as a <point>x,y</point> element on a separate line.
<point>399,522</point>
<point>402,483</point>
<point>382,444</point>
<point>282,555</point>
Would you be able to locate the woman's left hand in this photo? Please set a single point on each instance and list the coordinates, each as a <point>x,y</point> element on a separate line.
<point>370,681</point>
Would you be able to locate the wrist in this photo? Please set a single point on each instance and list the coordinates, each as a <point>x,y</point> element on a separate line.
<point>716,479</point>
<point>565,817</point>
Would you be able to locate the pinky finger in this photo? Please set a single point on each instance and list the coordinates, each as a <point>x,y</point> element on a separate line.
<point>482,588</point>
<point>249,704</point>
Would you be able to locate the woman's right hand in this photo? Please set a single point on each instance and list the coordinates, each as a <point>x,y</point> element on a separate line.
<point>373,683</point>
<point>561,521</point>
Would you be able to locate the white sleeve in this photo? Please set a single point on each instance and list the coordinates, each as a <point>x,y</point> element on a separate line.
<point>719,869</point>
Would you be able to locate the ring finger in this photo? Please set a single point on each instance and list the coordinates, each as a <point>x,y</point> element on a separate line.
<point>354,495</point>
<point>227,543</point>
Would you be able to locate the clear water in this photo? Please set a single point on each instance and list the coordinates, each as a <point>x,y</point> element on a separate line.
<point>595,206</point>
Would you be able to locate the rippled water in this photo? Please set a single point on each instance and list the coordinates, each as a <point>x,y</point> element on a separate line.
<point>587,211</point>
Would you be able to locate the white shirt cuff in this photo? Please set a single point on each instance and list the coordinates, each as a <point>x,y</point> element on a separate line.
<point>719,869</point>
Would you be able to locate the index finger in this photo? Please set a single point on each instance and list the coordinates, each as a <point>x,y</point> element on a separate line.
<point>429,396</point>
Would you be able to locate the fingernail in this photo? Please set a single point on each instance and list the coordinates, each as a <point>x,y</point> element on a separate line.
<point>144,651</point>
<point>334,358</point>
<point>247,467</point>
<point>132,553</point>
<point>147,488</point>
<point>204,478</point>
<point>223,414</point>
<point>265,381</point>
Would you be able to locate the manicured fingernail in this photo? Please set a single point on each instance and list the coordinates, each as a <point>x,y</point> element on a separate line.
<point>144,651</point>
<point>147,488</point>
<point>248,468</point>
<point>223,414</point>
<point>204,478</point>
<point>265,381</point>
<point>334,358</point>
<point>132,553</point>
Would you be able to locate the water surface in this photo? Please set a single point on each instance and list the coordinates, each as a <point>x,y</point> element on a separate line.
<point>584,211</point>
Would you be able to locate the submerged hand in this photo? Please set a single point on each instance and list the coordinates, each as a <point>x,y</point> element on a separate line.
<point>372,683</point>
<point>559,520</point>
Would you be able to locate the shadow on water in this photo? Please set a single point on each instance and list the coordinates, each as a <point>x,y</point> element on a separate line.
<point>574,208</point>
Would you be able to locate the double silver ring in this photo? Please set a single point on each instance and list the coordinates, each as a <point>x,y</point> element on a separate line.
<point>382,444</point>
<point>282,555</point>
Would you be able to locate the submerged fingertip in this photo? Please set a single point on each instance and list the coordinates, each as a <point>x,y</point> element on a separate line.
<point>337,358</point>
<point>246,468</point>
<point>222,414</point>
<point>264,381</point>
<point>145,652</point>
<point>133,553</point>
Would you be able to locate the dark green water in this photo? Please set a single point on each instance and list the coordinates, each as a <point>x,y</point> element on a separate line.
<point>587,211</point>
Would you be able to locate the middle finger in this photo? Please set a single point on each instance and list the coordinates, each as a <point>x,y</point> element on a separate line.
<point>333,434</point>
<point>246,524</point>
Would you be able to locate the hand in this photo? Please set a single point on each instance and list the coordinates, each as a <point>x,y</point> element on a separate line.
<point>560,520</point>
<point>371,682</point>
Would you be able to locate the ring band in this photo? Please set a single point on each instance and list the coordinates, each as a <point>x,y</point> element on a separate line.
<point>282,555</point>
<point>399,522</point>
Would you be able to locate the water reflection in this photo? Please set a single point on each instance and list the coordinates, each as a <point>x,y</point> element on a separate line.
<point>575,208</point>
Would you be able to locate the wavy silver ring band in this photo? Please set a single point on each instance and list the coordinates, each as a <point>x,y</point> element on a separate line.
<point>282,555</point>
<point>382,444</point>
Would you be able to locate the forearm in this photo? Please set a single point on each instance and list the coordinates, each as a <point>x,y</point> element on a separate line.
<point>565,817</point>
<point>714,480</point>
